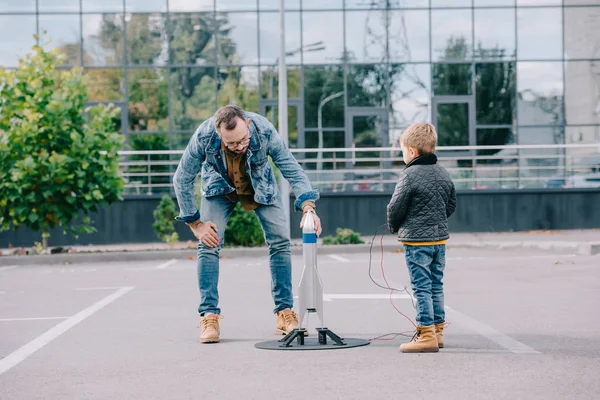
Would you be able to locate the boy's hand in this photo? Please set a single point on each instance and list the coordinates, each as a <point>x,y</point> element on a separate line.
<point>206,232</point>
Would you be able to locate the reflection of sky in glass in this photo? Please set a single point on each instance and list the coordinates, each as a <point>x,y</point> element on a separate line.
<point>269,37</point>
<point>243,32</point>
<point>187,5</point>
<point>237,5</point>
<point>410,93</point>
<point>274,4</point>
<point>540,2</point>
<point>17,5</point>
<point>102,5</point>
<point>145,5</point>
<point>489,3</point>
<point>322,4</point>
<point>539,33</point>
<point>365,36</point>
<point>409,36</point>
<point>446,24</point>
<point>326,27</point>
<point>495,29</point>
<point>450,3</point>
<point>16,38</point>
<point>543,78</point>
<point>93,49</point>
<point>62,30</point>
<point>58,5</point>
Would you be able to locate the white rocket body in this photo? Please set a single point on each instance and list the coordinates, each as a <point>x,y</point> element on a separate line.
<point>310,296</point>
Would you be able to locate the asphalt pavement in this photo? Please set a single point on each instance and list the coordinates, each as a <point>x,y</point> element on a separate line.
<point>523,325</point>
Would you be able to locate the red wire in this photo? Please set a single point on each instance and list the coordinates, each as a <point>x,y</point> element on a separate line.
<point>388,285</point>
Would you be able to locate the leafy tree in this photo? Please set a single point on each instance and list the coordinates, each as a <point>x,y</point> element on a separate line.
<point>56,163</point>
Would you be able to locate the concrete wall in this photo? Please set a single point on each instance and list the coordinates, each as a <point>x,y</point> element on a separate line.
<point>130,221</point>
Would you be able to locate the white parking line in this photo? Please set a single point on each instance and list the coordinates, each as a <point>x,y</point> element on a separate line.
<point>484,330</point>
<point>28,349</point>
<point>2,269</point>
<point>165,265</point>
<point>101,288</point>
<point>30,319</point>
<point>338,258</point>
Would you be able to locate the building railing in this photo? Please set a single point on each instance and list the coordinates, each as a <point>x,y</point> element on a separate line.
<point>375,169</point>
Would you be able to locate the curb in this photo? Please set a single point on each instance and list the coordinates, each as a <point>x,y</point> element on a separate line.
<point>158,255</point>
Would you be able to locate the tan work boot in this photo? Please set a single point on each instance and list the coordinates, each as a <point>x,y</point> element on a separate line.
<point>439,333</point>
<point>210,329</point>
<point>425,341</point>
<point>287,321</point>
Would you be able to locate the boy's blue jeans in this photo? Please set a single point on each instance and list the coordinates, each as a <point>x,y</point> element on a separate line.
<point>426,268</point>
<point>272,219</point>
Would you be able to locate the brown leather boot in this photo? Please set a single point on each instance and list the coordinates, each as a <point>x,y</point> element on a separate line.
<point>424,341</point>
<point>210,329</point>
<point>439,333</point>
<point>287,321</point>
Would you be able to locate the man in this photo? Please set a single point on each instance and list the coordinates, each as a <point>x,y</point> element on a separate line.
<point>232,149</point>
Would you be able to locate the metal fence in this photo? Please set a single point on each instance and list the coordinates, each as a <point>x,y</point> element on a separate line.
<point>375,169</point>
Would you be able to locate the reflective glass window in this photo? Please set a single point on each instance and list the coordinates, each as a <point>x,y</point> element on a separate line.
<point>495,34</point>
<point>325,31</point>
<point>193,96</point>
<point>148,106</point>
<point>410,91</point>
<point>582,92</point>
<point>409,36</point>
<point>495,86</point>
<point>539,33</point>
<point>103,39</point>
<point>451,35</point>
<point>16,38</point>
<point>269,37</point>
<point>540,93</point>
<point>319,83</point>
<point>238,38</point>
<point>582,32</point>
<point>64,34</point>
<point>366,36</point>
<point>191,38</point>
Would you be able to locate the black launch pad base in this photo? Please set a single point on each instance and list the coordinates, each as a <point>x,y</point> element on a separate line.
<point>325,340</point>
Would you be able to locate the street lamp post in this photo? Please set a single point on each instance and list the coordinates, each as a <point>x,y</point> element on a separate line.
<point>320,125</point>
<point>283,111</point>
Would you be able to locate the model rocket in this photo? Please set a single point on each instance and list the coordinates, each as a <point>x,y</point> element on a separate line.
<point>310,296</point>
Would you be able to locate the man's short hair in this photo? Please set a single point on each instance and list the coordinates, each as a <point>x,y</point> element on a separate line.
<point>421,136</point>
<point>226,117</point>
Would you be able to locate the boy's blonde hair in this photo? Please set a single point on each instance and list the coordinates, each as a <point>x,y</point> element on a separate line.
<point>421,136</point>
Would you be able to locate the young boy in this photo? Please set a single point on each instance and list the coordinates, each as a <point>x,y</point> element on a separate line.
<point>423,200</point>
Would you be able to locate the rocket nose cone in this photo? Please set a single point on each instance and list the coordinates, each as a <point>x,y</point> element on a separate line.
<point>309,223</point>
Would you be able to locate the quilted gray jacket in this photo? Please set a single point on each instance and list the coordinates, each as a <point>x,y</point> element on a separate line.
<point>423,200</point>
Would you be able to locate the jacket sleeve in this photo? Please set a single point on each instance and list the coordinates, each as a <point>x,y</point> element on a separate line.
<point>451,206</point>
<point>290,169</point>
<point>184,177</point>
<point>398,205</point>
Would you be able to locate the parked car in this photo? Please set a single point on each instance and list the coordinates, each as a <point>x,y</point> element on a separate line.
<point>589,180</point>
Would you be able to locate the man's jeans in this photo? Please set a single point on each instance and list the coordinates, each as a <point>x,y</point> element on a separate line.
<point>426,268</point>
<point>272,219</point>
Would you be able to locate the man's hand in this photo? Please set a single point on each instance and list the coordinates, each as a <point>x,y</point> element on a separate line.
<point>315,218</point>
<point>206,232</point>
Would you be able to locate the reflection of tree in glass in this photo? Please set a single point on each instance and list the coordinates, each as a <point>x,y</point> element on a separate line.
<point>495,88</point>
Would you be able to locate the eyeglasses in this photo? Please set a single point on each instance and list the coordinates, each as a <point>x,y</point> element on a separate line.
<point>235,145</point>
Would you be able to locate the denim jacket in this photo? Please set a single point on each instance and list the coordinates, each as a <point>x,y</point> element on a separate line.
<point>203,152</point>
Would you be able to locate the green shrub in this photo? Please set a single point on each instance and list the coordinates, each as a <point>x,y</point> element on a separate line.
<point>243,229</point>
<point>164,218</point>
<point>344,236</point>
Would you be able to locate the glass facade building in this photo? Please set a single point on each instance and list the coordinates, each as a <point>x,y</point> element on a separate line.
<point>485,72</point>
